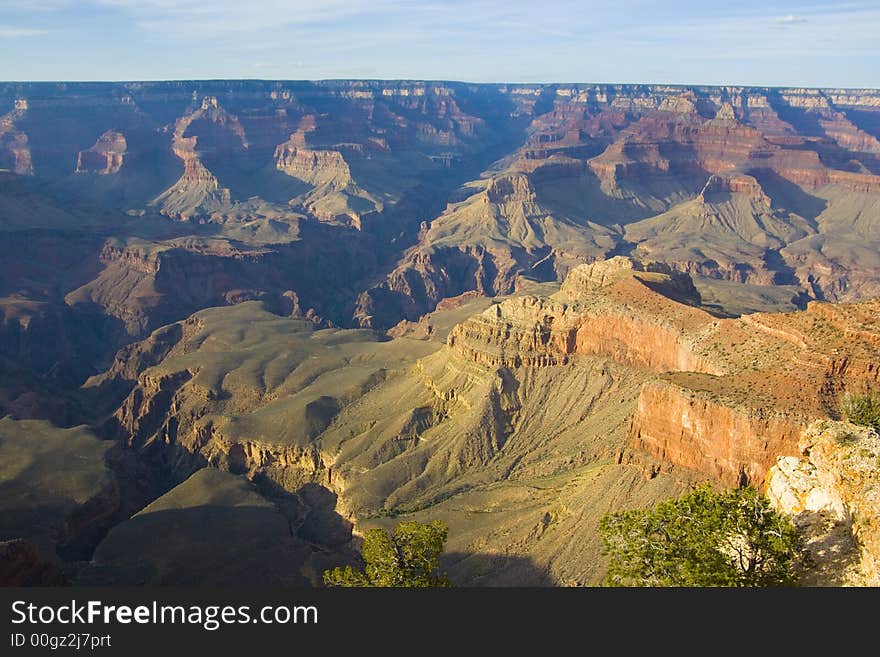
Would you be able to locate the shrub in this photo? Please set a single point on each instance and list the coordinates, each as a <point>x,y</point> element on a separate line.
<point>863,409</point>
<point>410,557</point>
<point>705,538</point>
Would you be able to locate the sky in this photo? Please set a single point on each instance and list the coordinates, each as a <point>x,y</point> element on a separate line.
<point>748,42</point>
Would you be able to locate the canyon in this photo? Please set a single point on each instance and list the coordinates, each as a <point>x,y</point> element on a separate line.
<point>285,312</point>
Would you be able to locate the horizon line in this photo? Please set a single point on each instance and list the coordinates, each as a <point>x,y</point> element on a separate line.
<point>444,81</point>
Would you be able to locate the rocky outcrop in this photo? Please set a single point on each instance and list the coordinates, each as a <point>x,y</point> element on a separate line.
<point>333,195</point>
<point>425,278</point>
<point>699,430</point>
<point>15,154</point>
<point>735,184</point>
<point>805,168</point>
<point>510,188</point>
<point>105,157</point>
<point>150,422</point>
<point>530,331</point>
<point>315,167</point>
<point>736,425</point>
<point>684,104</point>
<point>847,135</point>
<point>832,488</point>
<point>519,332</point>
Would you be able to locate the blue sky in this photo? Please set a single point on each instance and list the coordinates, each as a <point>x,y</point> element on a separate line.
<point>734,42</point>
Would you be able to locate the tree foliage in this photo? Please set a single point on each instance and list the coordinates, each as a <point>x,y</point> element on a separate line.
<point>862,409</point>
<point>409,557</point>
<point>705,538</point>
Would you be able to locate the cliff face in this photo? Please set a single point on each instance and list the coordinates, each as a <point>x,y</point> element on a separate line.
<point>520,332</point>
<point>832,488</point>
<point>333,195</point>
<point>790,370</point>
<point>15,153</point>
<point>427,277</point>
<point>699,431</point>
<point>105,157</point>
<point>313,167</point>
<point>677,139</point>
<point>529,331</point>
<point>728,396</point>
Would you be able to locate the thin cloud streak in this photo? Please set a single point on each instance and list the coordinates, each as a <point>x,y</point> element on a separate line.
<point>7,32</point>
<point>791,19</point>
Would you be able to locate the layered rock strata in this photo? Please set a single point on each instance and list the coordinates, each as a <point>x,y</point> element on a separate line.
<point>105,157</point>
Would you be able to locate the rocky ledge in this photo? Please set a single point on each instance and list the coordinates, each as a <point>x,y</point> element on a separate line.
<point>832,488</point>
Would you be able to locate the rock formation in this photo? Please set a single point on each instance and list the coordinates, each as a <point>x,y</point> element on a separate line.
<point>832,488</point>
<point>334,195</point>
<point>197,189</point>
<point>15,154</point>
<point>105,157</point>
<point>731,395</point>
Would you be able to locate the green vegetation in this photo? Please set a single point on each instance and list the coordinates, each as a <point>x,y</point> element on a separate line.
<point>410,557</point>
<point>705,538</point>
<point>862,409</point>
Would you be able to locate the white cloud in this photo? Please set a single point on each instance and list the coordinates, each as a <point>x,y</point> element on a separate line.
<point>791,19</point>
<point>8,32</point>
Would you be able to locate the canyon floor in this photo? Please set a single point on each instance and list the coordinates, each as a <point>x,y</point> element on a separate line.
<point>241,322</point>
